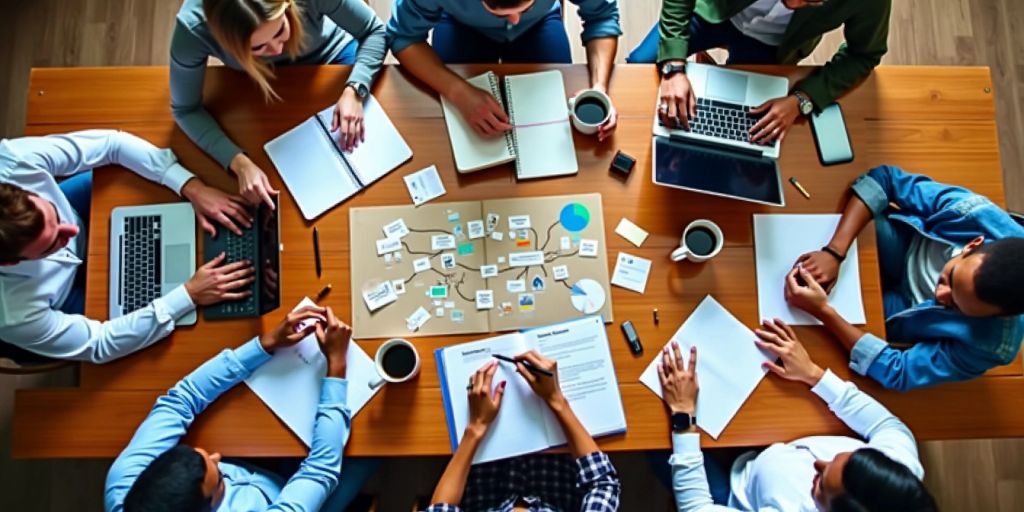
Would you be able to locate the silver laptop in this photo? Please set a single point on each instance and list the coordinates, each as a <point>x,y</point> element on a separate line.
<point>697,166</point>
<point>152,251</point>
<point>724,99</point>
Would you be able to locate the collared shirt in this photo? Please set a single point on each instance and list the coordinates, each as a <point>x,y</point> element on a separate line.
<point>764,20</point>
<point>328,26</point>
<point>781,477</point>
<point>31,292</point>
<point>245,488</point>
<point>947,345</point>
<point>545,483</point>
<point>411,20</point>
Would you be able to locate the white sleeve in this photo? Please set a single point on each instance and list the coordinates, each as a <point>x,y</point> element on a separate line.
<point>689,481</point>
<point>51,333</point>
<point>71,153</point>
<point>871,420</point>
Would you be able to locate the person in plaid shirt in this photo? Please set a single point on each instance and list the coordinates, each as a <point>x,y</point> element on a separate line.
<point>536,483</point>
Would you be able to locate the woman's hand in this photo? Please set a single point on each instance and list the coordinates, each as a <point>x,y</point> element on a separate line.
<point>779,339</point>
<point>348,117</point>
<point>253,184</point>
<point>484,403</point>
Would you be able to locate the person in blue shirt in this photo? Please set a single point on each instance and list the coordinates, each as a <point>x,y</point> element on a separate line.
<point>491,31</point>
<point>155,473</point>
<point>951,274</point>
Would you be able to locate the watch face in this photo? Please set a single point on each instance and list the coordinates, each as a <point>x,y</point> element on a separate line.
<point>681,421</point>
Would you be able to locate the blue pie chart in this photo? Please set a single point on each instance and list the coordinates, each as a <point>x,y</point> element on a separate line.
<point>574,217</point>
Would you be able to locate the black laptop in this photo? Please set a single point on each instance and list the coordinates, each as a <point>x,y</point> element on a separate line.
<point>260,244</point>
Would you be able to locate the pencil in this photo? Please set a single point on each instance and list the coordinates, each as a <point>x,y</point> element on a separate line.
<point>533,369</point>
<point>323,292</point>
<point>316,250</point>
<point>799,187</point>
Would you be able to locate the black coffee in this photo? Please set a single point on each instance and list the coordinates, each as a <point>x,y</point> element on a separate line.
<point>399,361</point>
<point>591,111</point>
<point>701,241</point>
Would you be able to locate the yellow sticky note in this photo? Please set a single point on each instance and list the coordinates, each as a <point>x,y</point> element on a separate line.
<point>635,234</point>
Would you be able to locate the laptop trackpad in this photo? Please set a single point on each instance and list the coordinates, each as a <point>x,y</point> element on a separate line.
<point>176,263</point>
<point>726,86</point>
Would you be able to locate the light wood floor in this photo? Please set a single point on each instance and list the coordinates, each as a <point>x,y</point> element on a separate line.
<point>963,475</point>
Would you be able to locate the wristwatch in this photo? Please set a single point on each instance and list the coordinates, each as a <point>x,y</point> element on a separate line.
<point>805,103</point>
<point>668,69</point>
<point>361,89</point>
<point>682,421</point>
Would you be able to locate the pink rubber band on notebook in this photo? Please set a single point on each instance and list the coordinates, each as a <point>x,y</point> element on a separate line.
<point>541,123</point>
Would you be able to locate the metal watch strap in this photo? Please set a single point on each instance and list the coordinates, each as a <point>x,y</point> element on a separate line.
<point>835,254</point>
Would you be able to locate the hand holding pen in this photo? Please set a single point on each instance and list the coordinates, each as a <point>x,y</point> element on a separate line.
<point>543,378</point>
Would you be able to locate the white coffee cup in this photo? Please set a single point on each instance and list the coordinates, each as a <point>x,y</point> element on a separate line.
<point>593,95</point>
<point>382,375</point>
<point>685,253</point>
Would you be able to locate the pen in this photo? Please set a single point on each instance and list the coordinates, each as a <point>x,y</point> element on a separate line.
<point>533,369</point>
<point>799,187</point>
<point>316,250</point>
<point>323,293</point>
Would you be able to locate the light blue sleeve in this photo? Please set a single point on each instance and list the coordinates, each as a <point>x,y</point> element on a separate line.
<point>174,412</point>
<point>923,364</point>
<point>600,18</point>
<point>411,21</point>
<point>188,72</point>
<point>358,19</point>
<point>318,475</point>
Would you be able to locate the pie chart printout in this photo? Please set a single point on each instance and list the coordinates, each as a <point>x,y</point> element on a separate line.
<point>574,217</point>
<point>587,296</point>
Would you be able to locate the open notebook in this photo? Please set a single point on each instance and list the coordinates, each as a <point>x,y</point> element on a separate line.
<point>525,424</point>
<point>541,142</point>
<point>309,156</point>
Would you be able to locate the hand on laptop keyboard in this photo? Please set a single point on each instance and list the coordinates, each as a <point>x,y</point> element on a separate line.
<point>213,282</point>
<point>777,116</point>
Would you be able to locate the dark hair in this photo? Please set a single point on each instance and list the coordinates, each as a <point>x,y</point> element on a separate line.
<point>1000,278</point>
<point>876,483</point>
<point>173,482</point>
<point>504,4</point>
<point>20,222</point>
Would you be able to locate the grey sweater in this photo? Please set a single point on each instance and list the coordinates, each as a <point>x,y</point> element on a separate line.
<point>327,25</point>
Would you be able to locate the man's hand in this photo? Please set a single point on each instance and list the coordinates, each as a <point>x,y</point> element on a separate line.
<point>822,266</point>
<point>605,130</point>
<point>480,110</point>
<point>777,116</point>
<point>805,293</point>
<point>334,340</point>
<point>210,203</point>
<point>779,339</point>
<point>212,283</point>
<point>348,115</point>
<point>253,184</point>
<point>484,403</point>
<point>546,387</point>
<point>676,101</point>
<point>678,380</point>
<point>293,328</point>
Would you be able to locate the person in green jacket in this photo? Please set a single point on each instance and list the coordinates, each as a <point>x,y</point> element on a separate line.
<point>765,32</point>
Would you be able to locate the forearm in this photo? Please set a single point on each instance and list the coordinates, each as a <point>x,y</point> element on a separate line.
<point>856,217</point>
<point>422,61</point>
<point>600,58</point>
<point>839,327</point>
<point>453,481</point>
<point>674,29</point>
<point>580,442</point>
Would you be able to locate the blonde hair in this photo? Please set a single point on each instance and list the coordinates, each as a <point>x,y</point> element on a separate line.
<point>232,23</point>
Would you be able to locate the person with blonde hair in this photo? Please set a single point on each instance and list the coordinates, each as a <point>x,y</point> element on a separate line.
<point>255,36</point>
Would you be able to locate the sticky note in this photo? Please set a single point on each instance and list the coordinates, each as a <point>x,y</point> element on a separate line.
<point>635,234</point>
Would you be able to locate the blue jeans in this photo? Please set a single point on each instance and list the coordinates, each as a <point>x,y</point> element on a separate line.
<point>544,43</point>
<point>717,465</point>
<point>78,191</point>
<point>705,36</point>
<point>348,54</point>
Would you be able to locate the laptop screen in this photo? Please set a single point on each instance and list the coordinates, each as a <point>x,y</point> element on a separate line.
<point>270,253</point>
<point>719,172</point>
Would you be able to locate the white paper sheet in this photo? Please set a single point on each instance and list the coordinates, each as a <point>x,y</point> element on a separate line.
<point>728,364</point>
<point>424,185</point>
<point>382,151</point>
<point>779,239</point>
<point>290,382</point>
<point>631,272</point>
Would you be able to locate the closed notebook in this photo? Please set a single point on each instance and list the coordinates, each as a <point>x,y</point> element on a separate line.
<point>524,423</point>
<point>319,174</point>
<point>541,141</point>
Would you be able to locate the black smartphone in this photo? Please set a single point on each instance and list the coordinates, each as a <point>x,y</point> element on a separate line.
<point>831,136</point>
<point>632,338</point>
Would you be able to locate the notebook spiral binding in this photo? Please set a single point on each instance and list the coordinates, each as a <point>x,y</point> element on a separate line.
<point>510,136</point>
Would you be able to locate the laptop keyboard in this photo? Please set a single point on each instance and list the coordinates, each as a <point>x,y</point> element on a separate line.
<point>140,280</point>
<point>722,119</point>
<point>238,248</point>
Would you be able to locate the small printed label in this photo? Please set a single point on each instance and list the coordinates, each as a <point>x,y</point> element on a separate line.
<point>487,271</point>
<point>515,286</point>
<point>388,245</point>
<point>396,229</point>
<point>519,222</point>
<point>442,242</point>
<point>476,229</point>
<point>588,248</point>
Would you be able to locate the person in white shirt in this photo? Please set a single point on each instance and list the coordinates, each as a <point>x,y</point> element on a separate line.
<point>833,473</point>
<point>43,245</point>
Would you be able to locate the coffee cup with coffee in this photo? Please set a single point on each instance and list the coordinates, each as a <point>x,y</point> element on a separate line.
<point>701,241</point>
<point>396,361</point>
<point>589,110</point>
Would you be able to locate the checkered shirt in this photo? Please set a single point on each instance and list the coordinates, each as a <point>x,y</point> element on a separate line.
<point>545,483</point>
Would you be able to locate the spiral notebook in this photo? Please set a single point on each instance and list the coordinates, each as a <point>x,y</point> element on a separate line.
<point>540,142</point>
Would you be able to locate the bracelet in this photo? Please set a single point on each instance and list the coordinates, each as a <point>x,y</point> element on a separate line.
<point>834,253</point>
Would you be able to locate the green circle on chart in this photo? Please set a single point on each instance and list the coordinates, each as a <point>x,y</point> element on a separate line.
<point>574,217</point>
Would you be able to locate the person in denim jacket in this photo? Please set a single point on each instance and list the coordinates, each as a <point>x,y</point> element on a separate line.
<point>952,280</point>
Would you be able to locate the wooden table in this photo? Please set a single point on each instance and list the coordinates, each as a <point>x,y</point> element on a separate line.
<point>934,120</point>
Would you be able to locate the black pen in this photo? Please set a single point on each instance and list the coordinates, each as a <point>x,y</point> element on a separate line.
<point>316,250</point>
<point>533,369</point>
